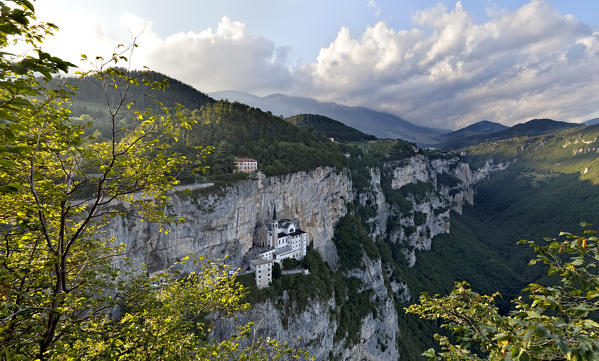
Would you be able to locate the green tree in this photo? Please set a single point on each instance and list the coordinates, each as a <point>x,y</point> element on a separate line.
<point>223,157</point>
<point>276,270</point>
<point>554,322</point>
<point>18,73</point>
<point>59,188</point>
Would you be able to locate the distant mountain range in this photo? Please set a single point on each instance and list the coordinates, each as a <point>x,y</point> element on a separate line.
<point>486,131</point>
<point>380,124</point>
<point>473,130</point>
<point>592,121</point>
<point>533,127</point>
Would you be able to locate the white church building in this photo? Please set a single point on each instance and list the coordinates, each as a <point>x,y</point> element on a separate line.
<point>276,240</point>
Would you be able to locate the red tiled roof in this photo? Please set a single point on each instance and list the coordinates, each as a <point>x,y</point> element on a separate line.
<point>245,160</point>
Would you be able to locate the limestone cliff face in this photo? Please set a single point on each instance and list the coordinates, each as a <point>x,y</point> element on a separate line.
<point>314,328</point>
<point>374,198</point>
<point>220,223</point>
<point>420,194</point>
<point>490,167</point>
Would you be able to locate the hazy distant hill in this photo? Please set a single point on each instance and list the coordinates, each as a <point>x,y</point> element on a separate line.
<point>592,121</point>
<point>329,127</point>
<point>457,137</point>
<point>533,127</point>
<point>482,127</point>
<point>380,124</point>
<point>90,96</point>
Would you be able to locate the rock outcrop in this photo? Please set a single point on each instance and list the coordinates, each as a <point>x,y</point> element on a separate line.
<point>221,222</point>
<point>490,167</point>
<point>315,327</point>
<point>420,194</point>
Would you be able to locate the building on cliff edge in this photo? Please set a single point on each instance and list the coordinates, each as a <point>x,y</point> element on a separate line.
<point>245,165</point>
<point>275,241</point>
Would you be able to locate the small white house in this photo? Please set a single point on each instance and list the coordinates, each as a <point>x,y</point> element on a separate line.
<point>245,165</point>
<point>263,270</point>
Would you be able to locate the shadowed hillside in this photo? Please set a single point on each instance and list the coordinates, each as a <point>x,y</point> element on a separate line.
<point>329,127</point>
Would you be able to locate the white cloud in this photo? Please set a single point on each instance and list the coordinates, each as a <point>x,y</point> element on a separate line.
<point>372,4</point>
<point>449,71</point>
<point>83,33</point>
<point>225,58</point>
<point>446,71</point>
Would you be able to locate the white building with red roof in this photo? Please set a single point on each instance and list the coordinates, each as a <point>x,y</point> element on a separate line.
<point>245,165</point>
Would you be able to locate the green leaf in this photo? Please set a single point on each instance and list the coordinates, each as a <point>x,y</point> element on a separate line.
<point>563,346</point>
<point>590,324</point>
<point>523,356</point>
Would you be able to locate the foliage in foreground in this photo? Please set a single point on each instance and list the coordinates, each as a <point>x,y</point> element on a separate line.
<point>551,323</point>
<point>169,316</point>
<point>61,295</point>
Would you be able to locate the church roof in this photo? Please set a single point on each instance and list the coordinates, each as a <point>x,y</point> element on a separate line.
<point>245,160</point>
<point>284,223</point>
<point>283,250</point>
<point>260,261</point>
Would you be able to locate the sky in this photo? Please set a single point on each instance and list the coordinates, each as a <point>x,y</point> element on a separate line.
<point>443,64</point>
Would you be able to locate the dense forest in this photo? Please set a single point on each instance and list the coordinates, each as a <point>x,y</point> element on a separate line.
<point>227,130</point>
<point>329,127</point>
<point>90,94</point>
<point>239,130</point>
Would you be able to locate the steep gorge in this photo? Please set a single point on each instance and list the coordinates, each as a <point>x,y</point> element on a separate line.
<point>404,205</point>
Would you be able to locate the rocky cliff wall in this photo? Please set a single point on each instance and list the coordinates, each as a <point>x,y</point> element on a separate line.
<point>490,167</point>
<point>427,190</point>
<point>315,327</point>
<point>221,222</point>
<point>411,199</point>
<point>407,202</point>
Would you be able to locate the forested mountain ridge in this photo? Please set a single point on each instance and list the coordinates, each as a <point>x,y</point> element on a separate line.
<point>467,137</point>
<point>380,124</point>
<point>236,129</point>
<point>90,93</point>
<point>550,185</point>
<point>533,127</point>
<point>458,137</point>
<point>233,129</point>
<point>329,127</point>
